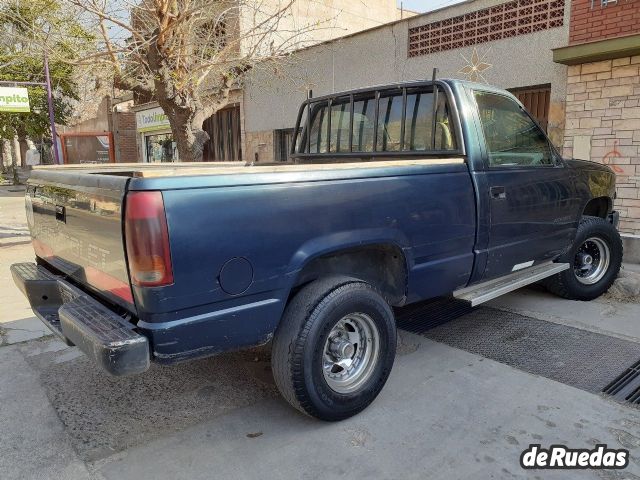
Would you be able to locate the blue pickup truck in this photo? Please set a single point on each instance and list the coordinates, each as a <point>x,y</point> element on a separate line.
<point>393,195</point>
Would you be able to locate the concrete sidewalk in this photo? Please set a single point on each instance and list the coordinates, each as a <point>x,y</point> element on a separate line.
<point>603,315</point>
<point>17,323</point>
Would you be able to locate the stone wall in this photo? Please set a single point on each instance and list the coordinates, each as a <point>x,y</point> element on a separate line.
<point>603,124</point>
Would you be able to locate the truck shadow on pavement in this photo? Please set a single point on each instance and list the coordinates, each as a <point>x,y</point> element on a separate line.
<point>104,415</point>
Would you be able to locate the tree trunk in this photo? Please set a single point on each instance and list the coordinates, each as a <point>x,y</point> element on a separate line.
<point>5,155</point>
<point>23,146</point>
<point>17,151</point>
<point>186,127</point>
<point>15,155</point>
<point>190,140</point>
<point>185,108</point>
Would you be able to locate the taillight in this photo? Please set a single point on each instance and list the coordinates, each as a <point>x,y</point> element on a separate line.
<point>147,238</point>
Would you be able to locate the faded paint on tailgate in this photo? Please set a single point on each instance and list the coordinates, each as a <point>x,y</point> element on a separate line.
<point>78,230</point>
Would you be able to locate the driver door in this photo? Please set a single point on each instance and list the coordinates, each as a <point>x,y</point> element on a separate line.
<point>532,215</point>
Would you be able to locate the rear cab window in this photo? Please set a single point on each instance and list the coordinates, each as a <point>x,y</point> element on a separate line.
<point>386,123</point>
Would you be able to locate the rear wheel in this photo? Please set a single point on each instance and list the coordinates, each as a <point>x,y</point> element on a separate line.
<point>595,260</point>
<point>334,348</point>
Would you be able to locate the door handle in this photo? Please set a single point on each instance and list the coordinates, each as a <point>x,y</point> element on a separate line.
<point>498,193</point>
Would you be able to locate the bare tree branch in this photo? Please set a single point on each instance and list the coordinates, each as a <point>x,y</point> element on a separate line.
<point>188,54</point>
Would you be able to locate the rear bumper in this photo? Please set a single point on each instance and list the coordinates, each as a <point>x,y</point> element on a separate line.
<point>105,337</point>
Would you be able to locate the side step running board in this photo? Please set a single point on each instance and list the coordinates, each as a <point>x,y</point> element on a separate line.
<point>483,292</point>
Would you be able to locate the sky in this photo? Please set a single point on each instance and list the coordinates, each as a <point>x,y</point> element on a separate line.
<point>426,5</point>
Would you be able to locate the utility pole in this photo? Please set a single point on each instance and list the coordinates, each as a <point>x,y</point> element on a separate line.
<point>54,136</point>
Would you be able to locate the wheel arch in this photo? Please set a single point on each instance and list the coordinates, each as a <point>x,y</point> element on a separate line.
<point>598,207</point>
<point>383,264</point>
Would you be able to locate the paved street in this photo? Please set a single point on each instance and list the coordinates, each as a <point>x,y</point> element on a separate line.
<point>445,412</point>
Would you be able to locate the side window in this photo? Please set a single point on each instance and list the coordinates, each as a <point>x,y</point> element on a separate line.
<point>445,136</point>
<point>418,122</point>
<point>512,138</point>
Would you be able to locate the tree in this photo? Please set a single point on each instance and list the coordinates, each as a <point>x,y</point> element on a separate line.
<point>25,27</point>
<point>189,54</point>
<point>23,67</point>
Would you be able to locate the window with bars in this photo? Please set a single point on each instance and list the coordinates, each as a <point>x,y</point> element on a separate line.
<point>518,17</point>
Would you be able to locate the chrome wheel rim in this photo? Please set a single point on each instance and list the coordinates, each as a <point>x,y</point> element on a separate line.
<point>591,261</point>
<point>350,353</point>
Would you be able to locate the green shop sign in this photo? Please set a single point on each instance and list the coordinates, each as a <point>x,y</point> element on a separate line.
<point>151,120</point>
<point>14,99</point>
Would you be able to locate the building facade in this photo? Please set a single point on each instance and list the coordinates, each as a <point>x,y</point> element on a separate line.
<point>502,43</point>
<point>315,20</point>
<point>603,95</point>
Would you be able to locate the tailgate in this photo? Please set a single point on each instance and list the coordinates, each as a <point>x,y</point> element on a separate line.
<point>75,219</point>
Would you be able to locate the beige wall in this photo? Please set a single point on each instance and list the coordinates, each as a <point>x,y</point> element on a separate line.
<point>404,13</point>
<point>337,18</point>
<point>603,125</point>
<point>308,22</point>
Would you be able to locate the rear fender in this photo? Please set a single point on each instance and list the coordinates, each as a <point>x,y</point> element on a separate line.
<point>341,241</point>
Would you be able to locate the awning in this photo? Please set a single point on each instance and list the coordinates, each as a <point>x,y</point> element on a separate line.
<point>598,50</point>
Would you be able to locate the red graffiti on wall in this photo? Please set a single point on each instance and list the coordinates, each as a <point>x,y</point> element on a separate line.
<point>609,156</point>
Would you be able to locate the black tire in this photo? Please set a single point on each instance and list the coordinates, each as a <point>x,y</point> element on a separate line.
<point>566,283</point>
<point>299,344</point>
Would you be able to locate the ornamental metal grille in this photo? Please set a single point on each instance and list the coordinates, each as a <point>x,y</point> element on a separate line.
<point>518,17</point>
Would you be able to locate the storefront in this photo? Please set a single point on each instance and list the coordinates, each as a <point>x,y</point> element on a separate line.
<point>156,140</point>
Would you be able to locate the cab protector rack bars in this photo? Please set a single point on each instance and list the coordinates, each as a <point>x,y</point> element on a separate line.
<point>435,111</point>
<point>305,133</point>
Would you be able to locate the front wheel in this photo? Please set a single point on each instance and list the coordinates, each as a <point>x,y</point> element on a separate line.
<point>334,348</point>
<point>595,260</point>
